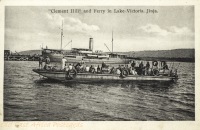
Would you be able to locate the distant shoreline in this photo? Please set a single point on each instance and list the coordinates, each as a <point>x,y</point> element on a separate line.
<point>166,59</point>
<point>179,55</point>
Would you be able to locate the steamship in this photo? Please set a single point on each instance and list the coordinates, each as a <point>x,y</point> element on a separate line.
<point>85,55</point>
<point>76,55</point>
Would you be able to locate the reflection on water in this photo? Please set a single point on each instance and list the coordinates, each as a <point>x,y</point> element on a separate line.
<point>30,97</point>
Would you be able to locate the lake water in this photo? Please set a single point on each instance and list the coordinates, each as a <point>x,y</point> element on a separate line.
<point>28,97</point>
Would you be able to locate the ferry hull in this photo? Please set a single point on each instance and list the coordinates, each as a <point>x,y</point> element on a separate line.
<point>61,76</point>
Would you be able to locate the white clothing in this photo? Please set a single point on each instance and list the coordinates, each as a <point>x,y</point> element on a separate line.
<point>87,69</point>
<point>95,68</point>
<point>63,63</point>
<point>134,72</point>
<point>118,71</point>
<point>70,67</point>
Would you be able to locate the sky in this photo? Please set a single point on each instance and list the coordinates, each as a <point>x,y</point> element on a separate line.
<point>28,28</point>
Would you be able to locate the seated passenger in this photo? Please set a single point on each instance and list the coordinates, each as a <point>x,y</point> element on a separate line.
<point>118,71</point>
<point>95,69</point>
<point>147,65</point>
<point>47,67</point>
<point>73,66</point>
<point>91,69</point>
<point>87,68</point>
<point>77,68</point>
<point>133,71</point>
<point>165,66</point>
<point>119,67</point>
<point>98,69</point>
<point>83,68</point>
<point>133,64</point>
<point>104,65</point>
<point>66,67</point>
<point>70,67</point>
<point>141,67</point>
<point>112,70</point>
<point>130,70</point>
<point>78,65</point>
<point>155,65</point>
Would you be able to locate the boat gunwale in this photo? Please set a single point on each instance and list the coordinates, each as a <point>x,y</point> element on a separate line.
<point>102,74</point>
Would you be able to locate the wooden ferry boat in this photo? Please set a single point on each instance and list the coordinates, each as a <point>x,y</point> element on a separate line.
<point>72,75</point>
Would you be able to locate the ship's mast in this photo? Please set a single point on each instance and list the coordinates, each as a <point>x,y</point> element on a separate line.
<point>112,41</point>
<point>61,35</point>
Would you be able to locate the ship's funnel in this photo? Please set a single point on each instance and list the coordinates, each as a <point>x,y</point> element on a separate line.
<point>91,44</point>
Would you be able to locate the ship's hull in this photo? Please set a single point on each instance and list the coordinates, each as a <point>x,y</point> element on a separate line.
<point>75,59</point>
<point>54,57</point>
<point>61,76</point>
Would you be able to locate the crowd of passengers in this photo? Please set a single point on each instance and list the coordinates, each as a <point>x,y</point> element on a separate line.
<point>81,67</point>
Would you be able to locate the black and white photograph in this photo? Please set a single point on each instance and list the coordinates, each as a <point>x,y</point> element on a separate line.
<point>99,63</point>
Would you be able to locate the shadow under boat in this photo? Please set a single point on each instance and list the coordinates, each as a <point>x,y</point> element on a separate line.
<point>151,86</point>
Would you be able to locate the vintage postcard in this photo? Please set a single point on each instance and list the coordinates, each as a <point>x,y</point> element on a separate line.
<point>94,65</point>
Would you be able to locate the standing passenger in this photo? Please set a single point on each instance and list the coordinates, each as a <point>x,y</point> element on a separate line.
<point>63,63</point>
<point>47,62</point>
<point>147,68</point>
<point>141,67</point>
<point>40,62</point>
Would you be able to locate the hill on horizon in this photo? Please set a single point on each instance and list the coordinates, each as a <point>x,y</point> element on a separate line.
<point>30,52</point>
<point>175,53</point>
